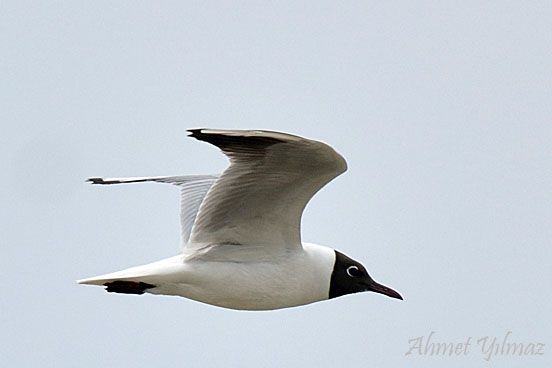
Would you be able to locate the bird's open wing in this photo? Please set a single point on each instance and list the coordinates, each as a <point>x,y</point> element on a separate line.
<point>260,197</point>
<point>193,189</point>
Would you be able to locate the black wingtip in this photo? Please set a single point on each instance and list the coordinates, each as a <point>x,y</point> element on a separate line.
<point>247,141</point>
<point>103,181</point>
<point>95,180</point>
<point>195,133</point>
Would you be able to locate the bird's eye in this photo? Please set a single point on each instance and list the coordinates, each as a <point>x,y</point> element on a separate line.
<point>353,271</point>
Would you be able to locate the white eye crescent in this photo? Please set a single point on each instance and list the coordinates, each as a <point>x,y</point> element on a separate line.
<point>352,271</point>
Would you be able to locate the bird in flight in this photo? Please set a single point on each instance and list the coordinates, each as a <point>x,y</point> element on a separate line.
<point>241,231</point>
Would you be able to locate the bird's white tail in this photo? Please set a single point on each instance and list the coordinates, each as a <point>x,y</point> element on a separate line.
<point>136,280</point>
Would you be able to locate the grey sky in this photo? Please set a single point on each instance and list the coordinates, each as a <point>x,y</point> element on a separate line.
<point>442,109</point>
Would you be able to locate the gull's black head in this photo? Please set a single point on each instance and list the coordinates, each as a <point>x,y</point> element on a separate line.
<point>350,277</point>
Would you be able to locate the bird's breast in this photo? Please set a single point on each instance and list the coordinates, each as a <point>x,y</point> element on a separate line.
<point>290,281</point>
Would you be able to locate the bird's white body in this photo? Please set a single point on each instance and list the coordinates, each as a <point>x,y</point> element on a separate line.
<point>295,278</point>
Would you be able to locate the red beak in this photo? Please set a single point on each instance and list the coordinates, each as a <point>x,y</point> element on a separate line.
<point>379,288</point>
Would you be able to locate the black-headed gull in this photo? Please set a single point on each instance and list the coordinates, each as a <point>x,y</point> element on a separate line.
<point>241,235</point>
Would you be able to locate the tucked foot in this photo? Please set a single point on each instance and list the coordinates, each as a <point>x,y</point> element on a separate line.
<point>127,287</point>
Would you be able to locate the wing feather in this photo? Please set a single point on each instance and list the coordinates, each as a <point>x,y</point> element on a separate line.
<point>260,197</point>
<point>193,189</point>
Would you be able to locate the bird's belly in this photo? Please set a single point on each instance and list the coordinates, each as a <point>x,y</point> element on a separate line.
<point>248,286</point>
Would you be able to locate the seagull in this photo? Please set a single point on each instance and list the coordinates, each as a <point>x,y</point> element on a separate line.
<point>241,231</point>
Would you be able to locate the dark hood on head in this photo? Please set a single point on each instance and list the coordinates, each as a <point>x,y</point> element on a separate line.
<point>349,276</point>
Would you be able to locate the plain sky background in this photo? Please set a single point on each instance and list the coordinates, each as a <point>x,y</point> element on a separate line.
<point>443,110</point>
